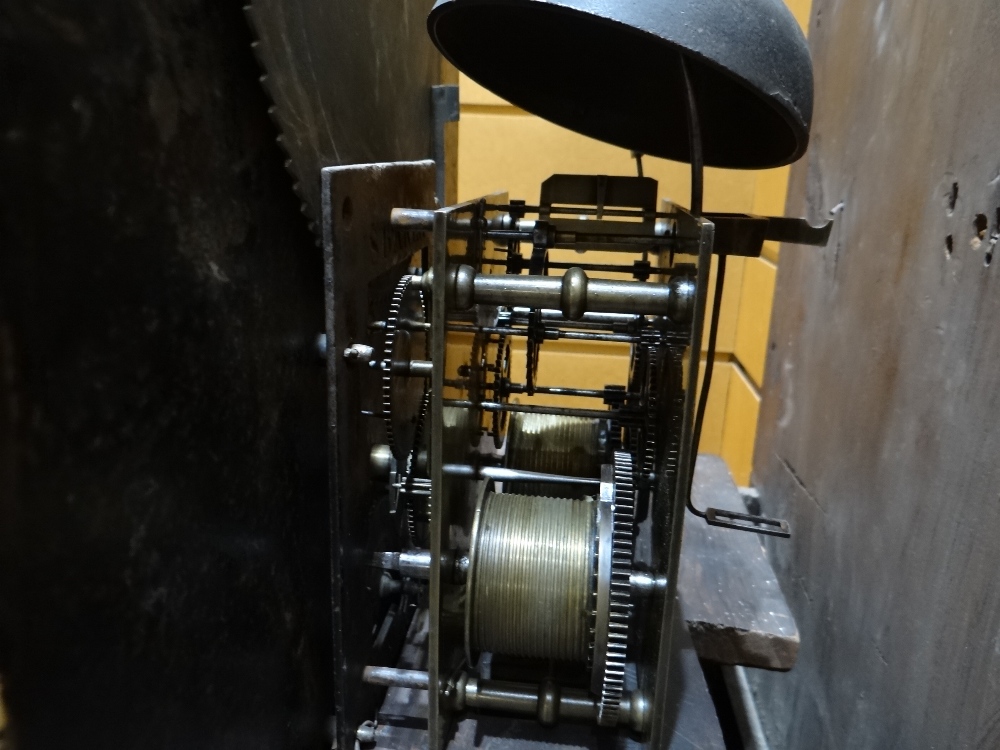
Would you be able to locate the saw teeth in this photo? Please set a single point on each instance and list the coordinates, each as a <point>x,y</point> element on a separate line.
<point>257,53</point>
<point>272,111</point>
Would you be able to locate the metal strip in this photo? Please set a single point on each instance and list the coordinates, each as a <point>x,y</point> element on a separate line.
<point>436,723</point>
<point>679,493</point>
<point>444,103</point>
<point>745,708</point>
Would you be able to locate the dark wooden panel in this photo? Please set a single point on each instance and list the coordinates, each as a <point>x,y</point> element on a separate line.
<point>878,428</point>
<point>162,466</point>
<point>164,506</point>
<point>730,597</point>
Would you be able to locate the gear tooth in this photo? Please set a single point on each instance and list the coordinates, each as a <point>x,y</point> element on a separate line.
<point>620,606</point>
<point>259,51</point>
<point>392,322</point>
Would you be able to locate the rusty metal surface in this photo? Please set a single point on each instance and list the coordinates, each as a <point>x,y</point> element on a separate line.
<point>878,427</point>
<point>364,259</point>
<point>350,81</point>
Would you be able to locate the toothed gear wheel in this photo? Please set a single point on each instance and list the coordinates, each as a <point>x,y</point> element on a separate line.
<point>411,465</point>
<point>477,367</point>
<point>501,380</point>
<point>489,372</point>
<point>391,327</point>
<point>649,437</point>
<point>403,395</point>
<point>643,377</point>
<point>620,606</point>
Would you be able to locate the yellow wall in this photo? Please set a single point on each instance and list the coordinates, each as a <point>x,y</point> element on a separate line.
<point>501,147</point>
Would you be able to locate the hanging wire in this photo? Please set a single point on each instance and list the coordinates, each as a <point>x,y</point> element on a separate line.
<point>695,151</point>
<point>637,155</point>
<point>697,197</point>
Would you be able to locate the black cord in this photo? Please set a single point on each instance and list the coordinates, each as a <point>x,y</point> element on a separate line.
<point>695,151</point>
<point>713,336</point>
<point>697,197</point>
<point>637,155</point>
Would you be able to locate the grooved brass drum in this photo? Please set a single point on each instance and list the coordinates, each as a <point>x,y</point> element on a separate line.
<point>531,589</point>
<point>553,444</point>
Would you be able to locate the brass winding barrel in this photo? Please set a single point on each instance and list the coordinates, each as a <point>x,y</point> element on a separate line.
<point>555,445</point>
<point>531,579</point>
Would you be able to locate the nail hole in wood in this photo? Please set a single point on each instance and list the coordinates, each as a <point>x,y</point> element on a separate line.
<point>982,224</point>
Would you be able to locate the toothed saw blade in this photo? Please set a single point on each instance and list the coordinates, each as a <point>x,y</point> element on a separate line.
<point>349,81</point>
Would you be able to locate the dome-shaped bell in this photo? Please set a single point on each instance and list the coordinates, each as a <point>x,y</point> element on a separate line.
<point>610,69</point>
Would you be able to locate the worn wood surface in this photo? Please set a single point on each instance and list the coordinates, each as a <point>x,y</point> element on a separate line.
<point>403,718</point>
<point>879,437</point>
<point>164,517</point>
<point>731,599</point>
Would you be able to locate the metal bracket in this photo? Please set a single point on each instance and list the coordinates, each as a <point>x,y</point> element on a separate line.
<point>729,519</point>
<point>744,234</point>
<point>797,231</point>
<point>445,109</point>
<point>363,259</point>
